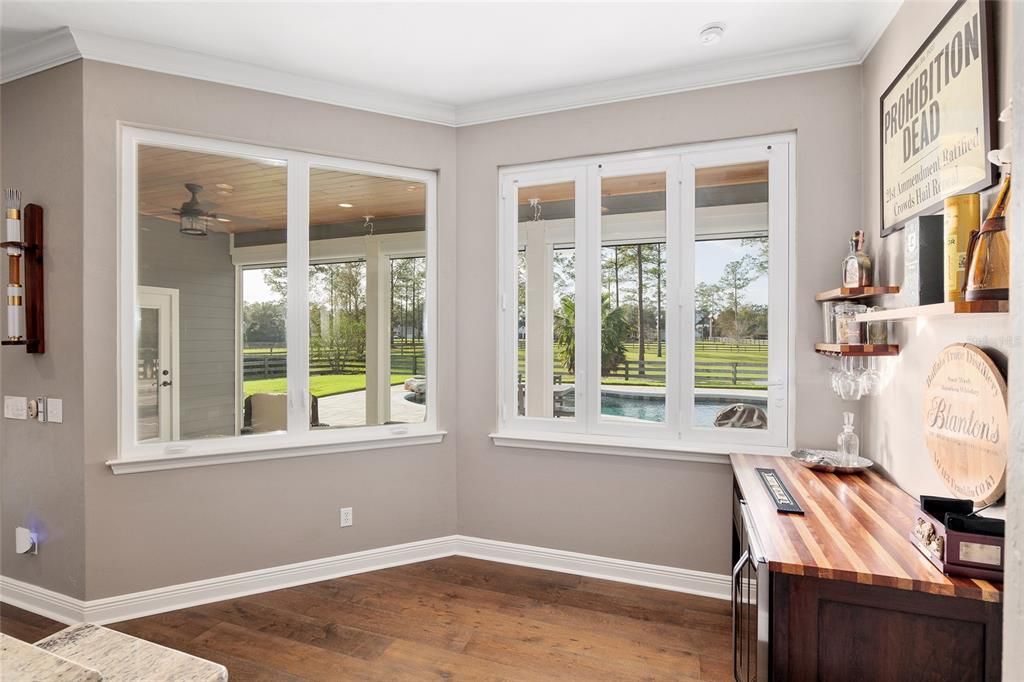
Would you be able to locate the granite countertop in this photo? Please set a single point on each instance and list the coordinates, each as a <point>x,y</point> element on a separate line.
<point>23,662</point>
<point>121,657</point>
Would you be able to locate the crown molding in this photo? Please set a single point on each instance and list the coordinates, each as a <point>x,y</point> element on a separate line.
<point>787,63</point>
<point>870,36</point>
<point>43,53</point>
<point>69,44</point>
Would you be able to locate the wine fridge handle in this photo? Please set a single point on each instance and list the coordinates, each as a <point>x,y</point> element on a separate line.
<point>736,596</point>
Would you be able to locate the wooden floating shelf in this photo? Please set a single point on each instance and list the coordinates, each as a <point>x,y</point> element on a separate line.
<point>938,310</point>
<point>849,293</point>
<point>856,350</point>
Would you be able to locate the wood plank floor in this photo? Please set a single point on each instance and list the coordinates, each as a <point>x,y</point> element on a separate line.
<point>452,618</point>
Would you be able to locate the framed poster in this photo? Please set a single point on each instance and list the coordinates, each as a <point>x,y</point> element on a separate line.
<point>937,119</point>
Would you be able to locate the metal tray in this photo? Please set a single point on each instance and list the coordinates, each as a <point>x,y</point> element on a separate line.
<point>825,460</point>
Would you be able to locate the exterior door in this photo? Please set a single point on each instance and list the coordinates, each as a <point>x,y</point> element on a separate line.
<point>156,383</point>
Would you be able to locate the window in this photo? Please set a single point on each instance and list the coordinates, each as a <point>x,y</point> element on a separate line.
<point>646,296</point>
<point>271,300</point>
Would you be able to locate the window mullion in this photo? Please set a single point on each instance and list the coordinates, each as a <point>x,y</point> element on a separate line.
<point>507,305</point>
<point>678,304</point>
<point>298,296</point>
<point>683,283</point>
<point>589,291</point>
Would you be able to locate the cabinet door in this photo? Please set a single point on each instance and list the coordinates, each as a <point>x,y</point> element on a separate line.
<point>832,630</point>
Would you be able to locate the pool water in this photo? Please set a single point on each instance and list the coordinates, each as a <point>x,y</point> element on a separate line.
<point>651,408</point>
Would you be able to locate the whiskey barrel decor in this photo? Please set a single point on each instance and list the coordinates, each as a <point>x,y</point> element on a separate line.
<point>967,424</point>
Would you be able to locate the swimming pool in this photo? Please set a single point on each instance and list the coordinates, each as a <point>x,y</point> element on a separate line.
<point>651,407</point>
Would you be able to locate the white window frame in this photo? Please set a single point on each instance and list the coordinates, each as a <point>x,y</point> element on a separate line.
<point>677,437</point>
<point>299,440</point>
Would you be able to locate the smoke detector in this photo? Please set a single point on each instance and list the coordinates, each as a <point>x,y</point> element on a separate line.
<point>711,34</point>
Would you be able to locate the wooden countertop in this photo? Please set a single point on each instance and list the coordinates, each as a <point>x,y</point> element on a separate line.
<point>855,528</point>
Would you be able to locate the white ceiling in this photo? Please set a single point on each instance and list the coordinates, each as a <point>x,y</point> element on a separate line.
<point>449,62</point>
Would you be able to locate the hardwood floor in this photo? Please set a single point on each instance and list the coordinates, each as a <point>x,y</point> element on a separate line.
<point>452,618</point>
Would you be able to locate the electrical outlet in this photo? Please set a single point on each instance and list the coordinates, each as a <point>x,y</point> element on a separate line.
<point>15,407</point>
<point>346,517</point>
<point>55,410</point>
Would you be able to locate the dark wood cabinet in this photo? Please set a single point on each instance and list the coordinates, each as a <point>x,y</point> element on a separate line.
<point>834,630</point>
<point>843,594</point>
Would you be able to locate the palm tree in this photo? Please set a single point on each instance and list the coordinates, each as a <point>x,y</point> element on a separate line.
<point>565,333</point>
<point>615,330</point>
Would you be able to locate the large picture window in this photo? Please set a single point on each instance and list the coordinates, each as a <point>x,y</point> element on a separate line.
<point>646,296</point>
<point>271,301</point>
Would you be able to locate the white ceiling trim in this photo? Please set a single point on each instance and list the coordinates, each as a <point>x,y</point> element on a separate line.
<point>67,45</point>
<point>44,53</point>
<point>816,58</point>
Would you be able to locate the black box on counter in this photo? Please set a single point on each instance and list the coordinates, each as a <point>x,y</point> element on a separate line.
<point>923,261</point>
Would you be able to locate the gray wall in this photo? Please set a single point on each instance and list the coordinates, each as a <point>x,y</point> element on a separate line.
<point>1013,608</point>
<point>202,272</point>
<point>893,421</point>
<point>657,511</point>
<point>160,528</point>
<point>41,464</point>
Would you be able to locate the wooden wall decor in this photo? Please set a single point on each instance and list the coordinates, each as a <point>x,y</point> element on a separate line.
<point>967,424</point>
<point>32,247</point>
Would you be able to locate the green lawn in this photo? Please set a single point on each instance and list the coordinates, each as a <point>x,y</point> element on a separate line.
<point>320,385</point>
<point>717,352</point>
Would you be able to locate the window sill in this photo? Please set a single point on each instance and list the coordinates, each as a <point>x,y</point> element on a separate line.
<point>162,462</point>
<point>631,447</point>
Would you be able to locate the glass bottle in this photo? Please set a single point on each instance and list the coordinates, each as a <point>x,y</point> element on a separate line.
<point>848,442</point>
<point>857,265</point>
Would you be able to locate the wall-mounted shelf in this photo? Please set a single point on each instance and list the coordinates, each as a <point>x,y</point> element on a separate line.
<point>856,350</point>
<point>851,293</point>
<point>938,310</point>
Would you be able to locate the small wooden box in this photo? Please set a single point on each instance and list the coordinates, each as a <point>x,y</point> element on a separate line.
<point>970,555</point>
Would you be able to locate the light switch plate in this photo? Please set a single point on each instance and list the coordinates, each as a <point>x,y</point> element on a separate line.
<point>54,410</point>
<point>15,407</point>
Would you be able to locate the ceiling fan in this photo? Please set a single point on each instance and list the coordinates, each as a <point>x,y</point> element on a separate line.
<point>195,220</point>
<point>196,216</point>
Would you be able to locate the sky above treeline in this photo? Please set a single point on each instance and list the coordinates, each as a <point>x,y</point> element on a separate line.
<point>710,260</point>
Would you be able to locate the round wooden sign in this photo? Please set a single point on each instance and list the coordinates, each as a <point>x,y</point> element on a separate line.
<point>966,423</point>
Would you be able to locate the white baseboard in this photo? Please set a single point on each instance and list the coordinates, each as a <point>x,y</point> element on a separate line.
<point>649,575</point>
<point>39,600</point>
<point>66,609</point>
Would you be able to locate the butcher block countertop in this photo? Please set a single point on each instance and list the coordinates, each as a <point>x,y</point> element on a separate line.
<point>854,528</point>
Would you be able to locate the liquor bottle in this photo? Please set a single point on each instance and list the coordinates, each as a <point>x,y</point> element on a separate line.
<point>848,443</point>
<point>961,217</point>
<point>857,265</point>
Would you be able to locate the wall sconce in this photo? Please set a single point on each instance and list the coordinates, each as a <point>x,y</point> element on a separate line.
<point>24,245</point>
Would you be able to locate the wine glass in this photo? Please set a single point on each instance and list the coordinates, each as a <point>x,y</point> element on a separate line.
<point>871,379</point>
<point>848,383</point>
